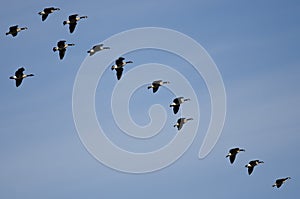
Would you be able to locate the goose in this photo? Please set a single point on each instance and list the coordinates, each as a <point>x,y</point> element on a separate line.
<point>176,103</point>
<point>19,76</point>
<point>156,84</point>
<point>119,64</point>
<point>46,12</point>
<point>62,47</point>
<point>252,164</point>
<point>97,48</point>
<point>13,30</point>
<point>232,154</point>
<point>181,122</point>
<point>73,21</point>
<point>280,181</point>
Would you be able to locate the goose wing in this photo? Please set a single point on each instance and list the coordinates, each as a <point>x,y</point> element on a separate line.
<point>180,122</point>
<point>19,82</point>
<point>13,28</point>
<point>119,73</point>
<point>44,16</point>
<point>62,53</point>
<point>250,170</point>
<point>72,26</point>
<point>155,89</point>
<point>176,109</point>
<point>119,62</point>
<point>232,157</point>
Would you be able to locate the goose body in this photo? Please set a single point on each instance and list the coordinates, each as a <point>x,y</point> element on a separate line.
<point>280,181</point>
<point>156,84</point>
<point>119,64</point>
<point>73,21</point>
<point>252,164</point>
<point>19,76</point>
<point>97,48</point>
<point>181,122</point>
<point>14,30</point>
<point>176,103</point>
<point>232,154</point>
<point>46,12</point>
<point>62,47</point>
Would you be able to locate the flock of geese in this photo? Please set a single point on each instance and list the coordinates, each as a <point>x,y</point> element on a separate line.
<point>250,166</point>
<point>118,67</point>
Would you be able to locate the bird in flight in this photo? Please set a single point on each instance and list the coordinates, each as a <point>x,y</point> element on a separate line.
<point>280,181</point>
<point>252,164</point>
<point>97,48</point>
<point>73,21</point>
<point>14,30</point>
<point>156,84</point>
<point>62,47</point>
<point>119,64</point>
<point>19,76</point>
<point>176,103</point>
<point>181,121</point>
<point>46,12</point>
<point>232,154</point>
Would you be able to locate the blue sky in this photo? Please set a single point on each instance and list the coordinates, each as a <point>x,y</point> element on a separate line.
<point>255,46</point>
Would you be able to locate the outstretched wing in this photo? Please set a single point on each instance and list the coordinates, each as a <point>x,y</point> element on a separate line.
<point>175,109</point>
<point>72,27</point>
<point>18,82</point>
<point>250,170</point>
<point>62,53</point>
<point>155,88</point>
<point>44,17</point>
<point>232,158</point>
<point>119,73</point>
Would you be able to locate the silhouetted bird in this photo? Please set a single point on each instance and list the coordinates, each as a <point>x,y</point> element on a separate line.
<point>252,164</point>
<point>13,30</point>
<point>19,76</point>
<point>62,47</point>
<point>176,103</point>
<point>97,48</point>
<point>119,64</point>
<point>181,122</point>
<point>232,154</point>
<point>156,84</point>
<point>73,21</point>
<point>46,12</point>
<point>280,181</point>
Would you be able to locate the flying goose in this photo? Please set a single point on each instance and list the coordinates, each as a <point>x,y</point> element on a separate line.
<point>232,154</point>
<point>280,181</point>
<point>73,21</point>
<point>46,12</point>
<point>252,164</point>
<point>13,30</point>
<point>19,76</point>
<point>181,122</point>
<point>62,47</point>
<point>119,64</point>
<point>97,48</point>
<point>156,84</point>
<point>176,103</point>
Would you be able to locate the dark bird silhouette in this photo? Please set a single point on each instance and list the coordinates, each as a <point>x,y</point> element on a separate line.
<point>61,47</point>
<point>19,76</point>
<point>252,164</point>
<point>13,30</point>
<point>46,12</point>
<point>97,48</point>
<point>156,84</point>
<point>280,181</point>
<point>232,154</point>
<point>176,103</point>
<point>73,21</point>
<point>181,122</point>
<point>119,64</point>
